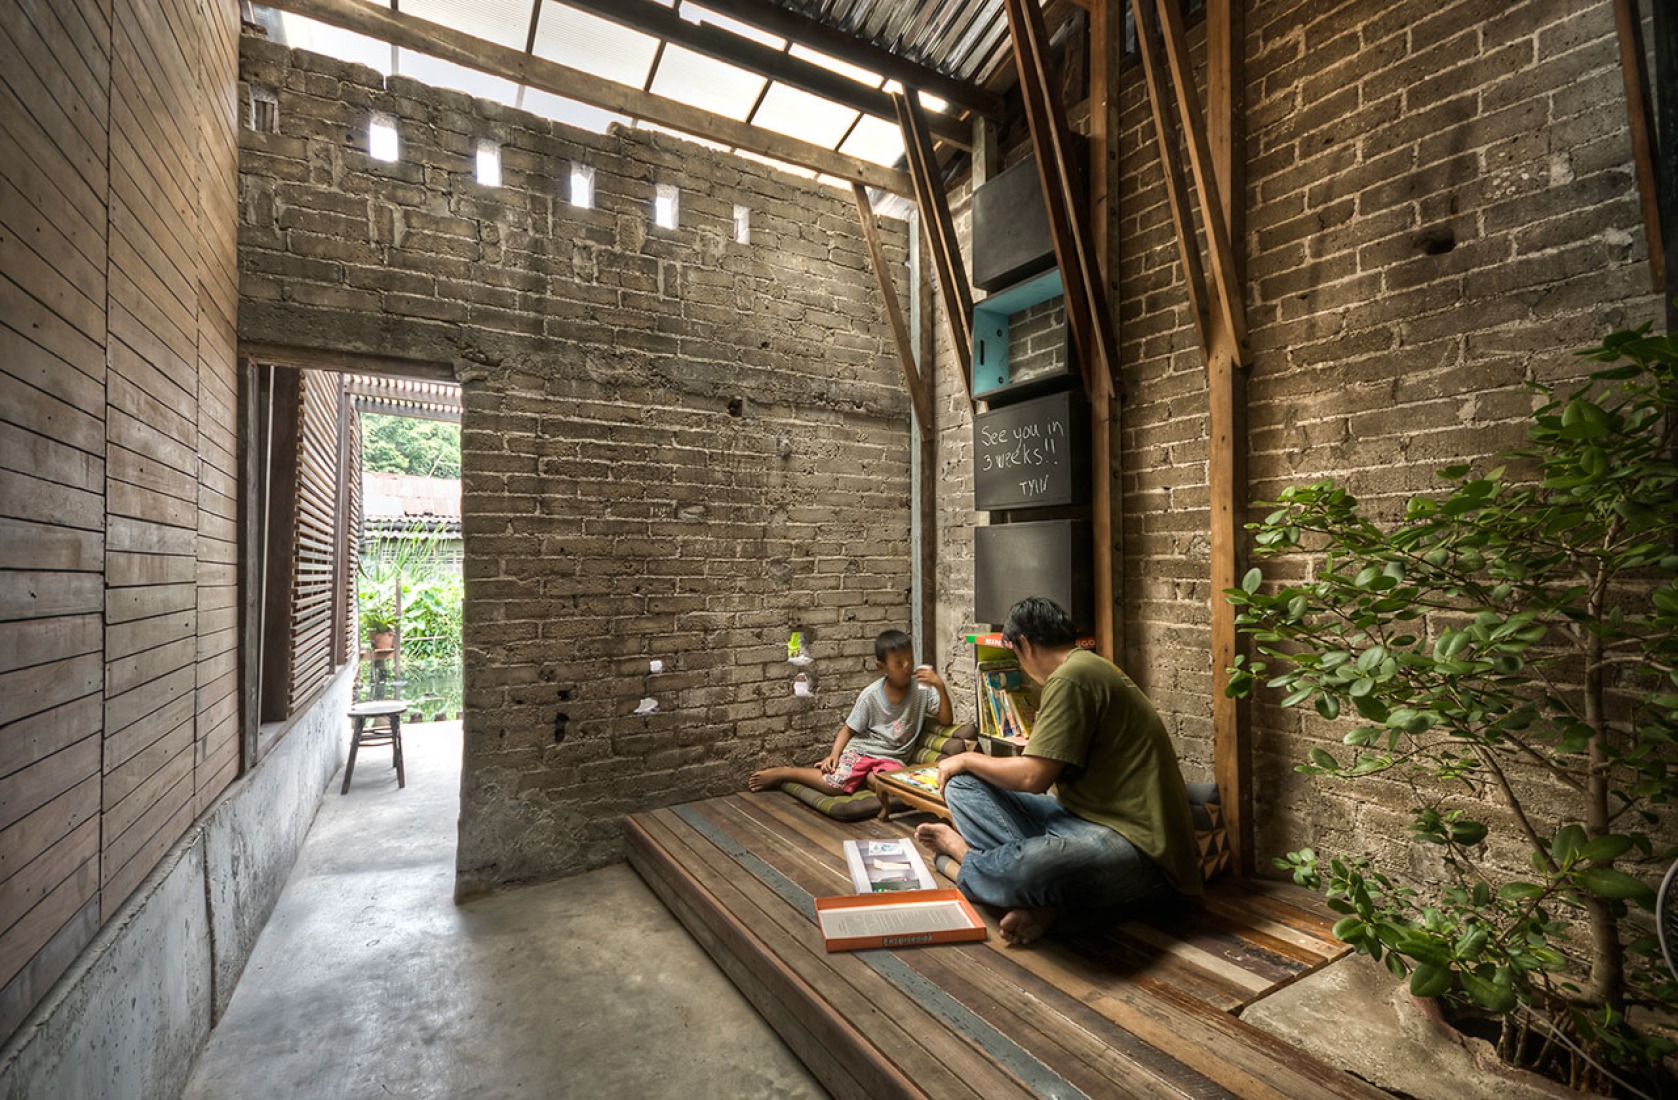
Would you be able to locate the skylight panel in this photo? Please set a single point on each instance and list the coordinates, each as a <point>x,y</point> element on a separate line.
<point>594,45</point>
<point>505,22</point>
<point>834,65</point>
<point>797,113</point>
<point>706,83</point>
<point>697,14</point>
<point>569,111</point>
<point>446,74</point>
<point>875,139</point>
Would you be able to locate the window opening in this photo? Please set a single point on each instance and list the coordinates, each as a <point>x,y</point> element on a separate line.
<point>664,206</point>
<point>742,225</point>
<point>381,138</point>
<point>582,186</point>
<point>489,164</point>
<point>265,110</point>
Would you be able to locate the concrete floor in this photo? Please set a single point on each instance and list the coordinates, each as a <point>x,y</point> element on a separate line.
<point>368,981</point>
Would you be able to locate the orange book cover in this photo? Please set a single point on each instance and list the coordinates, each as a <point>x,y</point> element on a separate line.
<point>905,918</point>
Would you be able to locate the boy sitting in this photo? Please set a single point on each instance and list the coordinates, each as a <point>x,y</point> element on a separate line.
<point>883,724</point>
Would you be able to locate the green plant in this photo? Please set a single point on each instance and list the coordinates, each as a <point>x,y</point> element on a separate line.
<point>388,569</point>
<point>1508,652</point>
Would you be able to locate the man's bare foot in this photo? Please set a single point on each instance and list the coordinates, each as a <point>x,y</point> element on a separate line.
<point>1022,926</point>
<point>942,840</point>
<point>767,779</point>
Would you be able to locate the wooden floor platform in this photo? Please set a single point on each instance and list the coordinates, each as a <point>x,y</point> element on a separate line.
<point>1143,1009</point>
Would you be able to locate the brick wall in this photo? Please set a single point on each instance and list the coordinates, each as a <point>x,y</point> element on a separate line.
<point>676,447</point>
<point>1440,206</point>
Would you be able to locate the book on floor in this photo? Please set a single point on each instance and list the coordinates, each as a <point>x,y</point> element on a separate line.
<point>908,919</point>
<point>880,866</point>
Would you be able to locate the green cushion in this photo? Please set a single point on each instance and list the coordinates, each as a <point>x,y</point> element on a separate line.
<point>936,742</point>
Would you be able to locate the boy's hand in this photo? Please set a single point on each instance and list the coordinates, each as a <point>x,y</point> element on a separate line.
<point>829,763</point>
<point>926,674</point>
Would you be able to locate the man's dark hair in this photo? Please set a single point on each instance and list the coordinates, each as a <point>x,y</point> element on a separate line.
<point>1040,621</point>
<point>890,641</point>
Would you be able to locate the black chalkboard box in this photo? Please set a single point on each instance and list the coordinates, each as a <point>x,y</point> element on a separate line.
<point>1033,454</point>
<point>1050,558</point>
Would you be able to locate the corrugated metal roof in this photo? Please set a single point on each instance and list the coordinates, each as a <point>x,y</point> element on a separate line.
<point>960,38</point>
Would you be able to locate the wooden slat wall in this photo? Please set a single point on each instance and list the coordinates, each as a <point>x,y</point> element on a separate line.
<point>54,66</point>
<point>217,761</point>
<point>118,289</point>
<point>314,577</point>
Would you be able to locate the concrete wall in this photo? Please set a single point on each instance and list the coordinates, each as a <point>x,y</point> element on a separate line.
<point>131,1014</point>
<point>676,446</point>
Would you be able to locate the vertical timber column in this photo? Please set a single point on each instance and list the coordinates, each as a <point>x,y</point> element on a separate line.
<point>1227,456</point>
<point>1105,520</point>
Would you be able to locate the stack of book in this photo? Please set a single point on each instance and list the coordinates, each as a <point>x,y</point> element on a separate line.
<point>1008,702</point>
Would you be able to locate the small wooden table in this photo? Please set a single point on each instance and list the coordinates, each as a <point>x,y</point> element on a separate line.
<point>888,785</point>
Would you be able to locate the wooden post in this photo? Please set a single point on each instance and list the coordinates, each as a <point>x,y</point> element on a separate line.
<point>894,313</point>
<point>1106,524</point>
<point>1226,391</point>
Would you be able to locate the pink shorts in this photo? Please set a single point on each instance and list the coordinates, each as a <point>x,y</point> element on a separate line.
<point>853,770</point>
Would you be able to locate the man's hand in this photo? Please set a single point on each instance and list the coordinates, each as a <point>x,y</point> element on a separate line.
<point>951,765</point>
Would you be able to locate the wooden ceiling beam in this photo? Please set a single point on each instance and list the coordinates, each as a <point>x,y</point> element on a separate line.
<point>894,313</point>
<point>940,233</point>
<point>768,16</point>
<point>656,19</point>
<point>510,64</point>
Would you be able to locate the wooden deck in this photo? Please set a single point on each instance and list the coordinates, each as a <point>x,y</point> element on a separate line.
<point>1142,1009</point>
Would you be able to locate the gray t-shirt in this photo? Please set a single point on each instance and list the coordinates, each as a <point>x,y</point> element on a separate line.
<point>880,729</point>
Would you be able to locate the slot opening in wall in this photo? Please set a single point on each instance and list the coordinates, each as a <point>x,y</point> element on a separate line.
<point>665,203</point>
<point>582,186</point>
<point>381,138</point>
<point>489,164</point>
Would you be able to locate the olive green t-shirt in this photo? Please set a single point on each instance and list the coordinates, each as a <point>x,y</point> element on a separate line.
<point>1120,771</point>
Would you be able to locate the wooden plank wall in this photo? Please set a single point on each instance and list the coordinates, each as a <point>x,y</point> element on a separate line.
<point>118,289</point>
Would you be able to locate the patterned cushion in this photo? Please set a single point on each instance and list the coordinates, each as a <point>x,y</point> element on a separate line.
<point>935,743</point>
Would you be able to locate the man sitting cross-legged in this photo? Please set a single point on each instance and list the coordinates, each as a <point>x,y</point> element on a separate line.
<point>1116,834</point>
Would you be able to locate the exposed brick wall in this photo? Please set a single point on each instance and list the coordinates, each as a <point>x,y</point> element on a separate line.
<point>1440,205</point>
<point>676,447</point>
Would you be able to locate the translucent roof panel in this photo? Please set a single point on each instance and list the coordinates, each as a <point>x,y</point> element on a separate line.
<point>801,115</point>
<point>834,65</point>
<point>302,33</point>
<point>594,45</point>
<point>697,14</point>
<point>581,115</point>
<point>504,22</point>
<point>875,139</point>
<point>446,74</point>
<point>706,83</point>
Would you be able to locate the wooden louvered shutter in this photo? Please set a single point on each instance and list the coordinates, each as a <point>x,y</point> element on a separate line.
<point>314,572</point>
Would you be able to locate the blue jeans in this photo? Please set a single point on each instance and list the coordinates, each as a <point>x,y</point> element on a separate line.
<point>1026,851</point>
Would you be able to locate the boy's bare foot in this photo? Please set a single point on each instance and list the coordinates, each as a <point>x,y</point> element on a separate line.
<point>1022,926</point>
<point>767,779</point>
<point>942,840</point>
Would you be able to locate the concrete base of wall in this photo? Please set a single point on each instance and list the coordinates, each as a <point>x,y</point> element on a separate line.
<point>131,1014</point>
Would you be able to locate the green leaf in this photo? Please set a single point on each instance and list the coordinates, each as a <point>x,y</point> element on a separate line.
<point>1606,849</point>
<point>1468,833</point>
<point>1520,891</point>
<point>1428,980</point>
<point>1606,882</point>
<point>1324,759</point>
<point>1569,839</point>
<point>1488,995</point>
<point>1250,583</point>
<point>1328,706</point>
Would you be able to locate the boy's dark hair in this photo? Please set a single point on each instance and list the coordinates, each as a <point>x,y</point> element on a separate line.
<point>1040,621</point>
<point>890,641</point>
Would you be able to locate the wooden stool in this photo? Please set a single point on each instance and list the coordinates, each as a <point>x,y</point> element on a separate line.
<point>377,722</point>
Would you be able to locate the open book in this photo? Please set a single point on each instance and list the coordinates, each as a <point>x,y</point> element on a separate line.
<point>881,865</point>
